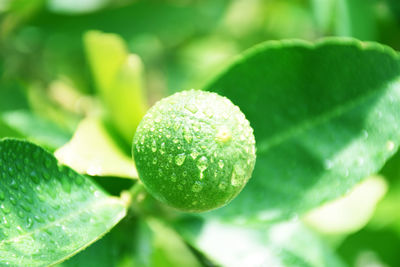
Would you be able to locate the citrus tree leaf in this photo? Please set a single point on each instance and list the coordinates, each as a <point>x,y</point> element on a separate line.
<point>47,211</point>
<point>280,244</point>
<point>137,242</point>
<point>35,128</point>
<point>324,116</point>
<point>93,151</point>
<point>118,77</point>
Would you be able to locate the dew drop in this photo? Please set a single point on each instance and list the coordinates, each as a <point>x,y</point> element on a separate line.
<point>29,222</point>
<point>191,107</point>
<point>221,164</point>
<point>179,159</point>
<point>208,113</point>
<point>162,148</point>
<point>21,214</point>
<point>13,200</point>
<point>154,146</point>
<point>38,219</point>
<point>170,158</point>
<point>223,135</point>
<point>4,222</point>
<point>238,169</point>
<point>197,187</point>
<point>194,154</point>
<point>5,209</point>
<point>25,207</point>
<point>154,161</point>
<point>188,137</point>
<point>235,179</point>
<point>222,185</point>
<point>202,163</point>
<point>173,177</point>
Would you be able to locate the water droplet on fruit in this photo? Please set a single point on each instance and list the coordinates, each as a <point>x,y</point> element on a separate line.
<point>188,137</point>
<point>170,157</point>
<point>154,161</point>
<point>221,163</point>
<point>197,187</point>
<point>154,146</point>
<point>179,159</point>
<point>162,148</point>
<point>202,163</point>
<point>194,154</point>
<point>222,185</point>
<point>223,135</point>
<point>192,108</point>
<point>208,113</point>
<point>173,177</point>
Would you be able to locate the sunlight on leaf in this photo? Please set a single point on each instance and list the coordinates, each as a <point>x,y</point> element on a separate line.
<point>47,211</point>
<point>118,76</point>
<point>93,151</point>
<point>280,244</point>
<point>325,116</point>
<point>351,212</point>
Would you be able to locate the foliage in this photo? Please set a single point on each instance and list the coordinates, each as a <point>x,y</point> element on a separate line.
<point>76,78</point>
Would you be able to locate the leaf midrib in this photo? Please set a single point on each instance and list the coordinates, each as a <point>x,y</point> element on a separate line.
<point>303,126</point>
<point>93,204</point>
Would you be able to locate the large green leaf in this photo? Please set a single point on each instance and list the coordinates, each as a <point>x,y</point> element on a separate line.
<point>35,128</point>
<point>118,76</point>
<point>325,116</point>
<point>93,151</point>
<point>283,244</point>
<point>47,211</point>
<point>137,242</point>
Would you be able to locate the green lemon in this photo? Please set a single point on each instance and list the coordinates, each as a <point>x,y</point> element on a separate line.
<point>194,151</point>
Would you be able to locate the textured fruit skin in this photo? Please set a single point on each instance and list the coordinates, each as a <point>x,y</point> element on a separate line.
<point>194,151</point>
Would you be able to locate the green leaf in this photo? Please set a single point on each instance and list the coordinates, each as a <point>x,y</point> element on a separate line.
<point>324,116</point>
<point>355,18</point>
<point>47,211</point>
<point>35,128</point>
<point>118,76</point>
<point>93,151</point>
<point>137,242</point>
<point>282,244</point>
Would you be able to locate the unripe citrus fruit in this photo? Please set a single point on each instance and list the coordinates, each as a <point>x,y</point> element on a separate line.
<point>194,150</point>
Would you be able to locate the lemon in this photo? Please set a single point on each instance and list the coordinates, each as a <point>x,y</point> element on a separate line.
<point>194,151</point>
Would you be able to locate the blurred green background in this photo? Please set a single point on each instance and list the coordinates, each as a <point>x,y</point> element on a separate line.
<point>90,69</point>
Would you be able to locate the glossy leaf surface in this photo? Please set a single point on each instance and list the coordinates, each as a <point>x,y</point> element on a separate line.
<point>325,116</point>
<point>47,211</point>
